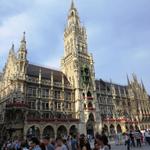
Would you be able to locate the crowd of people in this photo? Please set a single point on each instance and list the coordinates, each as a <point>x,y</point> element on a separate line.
<point>81,142</point>
<point>133,138</point>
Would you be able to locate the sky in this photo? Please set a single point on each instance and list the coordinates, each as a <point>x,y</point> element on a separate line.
<point>118,34</point>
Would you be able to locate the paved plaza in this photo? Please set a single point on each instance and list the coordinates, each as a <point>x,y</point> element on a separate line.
<point>122,147</point>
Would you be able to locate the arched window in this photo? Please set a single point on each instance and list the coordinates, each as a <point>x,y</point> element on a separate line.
<point>72,13</point>
<point>90,105</point>
<point>83,95</point>
<point>89,94</point>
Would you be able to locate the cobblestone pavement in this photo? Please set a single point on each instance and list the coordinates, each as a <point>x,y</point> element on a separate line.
<point>122,147</point>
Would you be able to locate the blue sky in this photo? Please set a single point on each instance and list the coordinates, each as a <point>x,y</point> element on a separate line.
<point>118,34</point>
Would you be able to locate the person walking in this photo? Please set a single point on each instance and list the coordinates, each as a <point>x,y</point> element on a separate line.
<point>60,145</point>
<point>127,141</point>
<point>24,145</point>
<point>34,144</point>
<point>138,136</point>
<point>46,142</point>
<point>147,136</point>
<point>84,143</point>
<point>74,143</point>
<point>100,143</point>
<point>132,139</point>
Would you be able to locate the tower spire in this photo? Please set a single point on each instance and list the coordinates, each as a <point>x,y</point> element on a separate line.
<point>11,51</point>
<point>23,43</point>
<point>128,79</point>
<point>143,85</point>
<point>22,52</point>
<point>24,37</point>
<point>134,77</point>
<point>73,17</point>
<point>72,4</point>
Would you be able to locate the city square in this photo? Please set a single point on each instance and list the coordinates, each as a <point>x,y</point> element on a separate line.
<point>145,147</point>
<point>72,107</point>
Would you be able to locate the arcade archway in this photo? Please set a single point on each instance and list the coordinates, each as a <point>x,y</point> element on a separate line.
<point>73,130</point>
<point>105,129</point>
<point>119,129</point>
<point>33,132</point>
<point>62,131</point>
<point>49,131</point>
<point>112,129</point>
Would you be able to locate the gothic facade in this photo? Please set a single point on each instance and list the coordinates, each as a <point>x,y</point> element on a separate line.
<point>38,101</point>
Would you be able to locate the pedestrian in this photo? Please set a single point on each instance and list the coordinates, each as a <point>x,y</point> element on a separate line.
<point>127,141</point>
<point>84,143</point>
<point>46,142</point>
<point>34,144</point>
<point>132,139</point>
<point>147,136</point>
<point>42,146</point>
<point>60,145</point>
<point>138,136</point>
<point>24,145</point>
<point>74,143</point>
<point>100,143</point>
<point>105,140</point>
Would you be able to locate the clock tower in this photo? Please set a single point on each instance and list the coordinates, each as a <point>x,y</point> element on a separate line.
<point>78,65</point>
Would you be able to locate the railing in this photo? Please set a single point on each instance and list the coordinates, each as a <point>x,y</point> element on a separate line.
<point>52,120</point>
<point>32,79</point>
<point>119,120</point>
<point>90,108</point>
<point>47,82</point>
<point>19,104</point>
<point>57,84</point>
<point>88,98</point>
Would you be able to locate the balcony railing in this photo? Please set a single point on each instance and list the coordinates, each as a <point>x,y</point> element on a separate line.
<point>119,120</point>
<point>90,108</point>
<point>18,104</point>
<point>52,120</point>
<point>88,98</point>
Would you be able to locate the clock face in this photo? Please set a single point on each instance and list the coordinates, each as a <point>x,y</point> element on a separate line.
<point>85,74</point>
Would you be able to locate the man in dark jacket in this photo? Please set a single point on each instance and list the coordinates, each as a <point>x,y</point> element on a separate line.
<point>48,145</point>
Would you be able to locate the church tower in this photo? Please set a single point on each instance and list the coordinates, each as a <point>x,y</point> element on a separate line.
<point>77,64</point>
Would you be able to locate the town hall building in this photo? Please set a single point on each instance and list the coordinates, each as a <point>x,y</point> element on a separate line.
<point>38,101</point>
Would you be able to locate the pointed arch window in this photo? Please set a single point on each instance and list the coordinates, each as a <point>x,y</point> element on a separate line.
<point>72,14</point>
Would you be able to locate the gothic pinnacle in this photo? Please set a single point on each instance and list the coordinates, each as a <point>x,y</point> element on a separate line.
<point>12,49</point>
<point>24,37</point>
<point>72,4</point>
<point>23,43</point>
<point>128,79</point>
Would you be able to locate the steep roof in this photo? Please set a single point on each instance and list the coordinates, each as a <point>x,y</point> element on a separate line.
<point>33,70</point>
